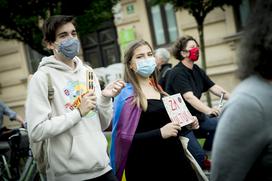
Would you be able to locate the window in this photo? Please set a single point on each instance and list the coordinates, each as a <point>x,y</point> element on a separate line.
<point>242,12</point>
<point>100,48</point>
<point>163,24</point>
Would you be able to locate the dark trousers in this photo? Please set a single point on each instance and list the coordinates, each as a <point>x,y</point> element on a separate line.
<point>109,176</point>
<point>207,127</point>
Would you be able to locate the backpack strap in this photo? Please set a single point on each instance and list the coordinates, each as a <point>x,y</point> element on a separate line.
<point>39,149</point>
<point>50,88</point>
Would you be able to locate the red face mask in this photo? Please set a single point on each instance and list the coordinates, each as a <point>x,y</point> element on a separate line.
<point>193,54</point>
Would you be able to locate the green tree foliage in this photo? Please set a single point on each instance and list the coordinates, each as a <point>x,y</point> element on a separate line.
<point>22,19</point>
<point>199,9</point>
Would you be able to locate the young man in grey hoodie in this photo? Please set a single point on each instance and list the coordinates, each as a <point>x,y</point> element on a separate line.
<point>72,123</point>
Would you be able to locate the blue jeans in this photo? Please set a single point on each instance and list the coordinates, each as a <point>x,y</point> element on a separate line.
<point>207,129</point>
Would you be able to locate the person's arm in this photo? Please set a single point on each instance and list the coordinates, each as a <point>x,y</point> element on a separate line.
<point>198,104</point>
<point>240,138</point>
<point>11,114</point>
<point>148,135</point>
<point>20,119</point>
<point>104,107</point>
<point>169,130</point>
<point>41,121</point>
<point>8,112</point>
<point>104,100</point>
<point>217,90</point>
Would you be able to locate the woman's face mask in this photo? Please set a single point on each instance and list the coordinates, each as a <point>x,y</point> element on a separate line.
<point>145,67</point>
<point>69,48</point>
<point>194,54</point>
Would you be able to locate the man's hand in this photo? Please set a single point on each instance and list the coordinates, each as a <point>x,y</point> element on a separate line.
<point>214,112</point>
<point>88,103</point>
<point>113,89</point>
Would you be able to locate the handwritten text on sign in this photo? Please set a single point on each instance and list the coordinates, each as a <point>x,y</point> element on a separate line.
<point>177,110</point>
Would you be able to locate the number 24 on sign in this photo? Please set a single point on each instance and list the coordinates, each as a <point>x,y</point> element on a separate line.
<point>177,110</point>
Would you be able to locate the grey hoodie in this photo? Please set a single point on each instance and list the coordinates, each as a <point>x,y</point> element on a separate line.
<point>77,147</point>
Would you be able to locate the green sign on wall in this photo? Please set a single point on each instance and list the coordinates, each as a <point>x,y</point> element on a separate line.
<point>126,36</point>
<point>130,9</point>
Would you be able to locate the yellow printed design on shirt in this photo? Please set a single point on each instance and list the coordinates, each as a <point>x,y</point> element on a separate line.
<point>75,90</point>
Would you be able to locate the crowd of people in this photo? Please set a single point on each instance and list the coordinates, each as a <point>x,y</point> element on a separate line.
<point>145,143</point>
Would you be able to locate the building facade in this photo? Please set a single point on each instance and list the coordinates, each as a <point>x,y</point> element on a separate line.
<point>13,76</point>
<point>161,25</point>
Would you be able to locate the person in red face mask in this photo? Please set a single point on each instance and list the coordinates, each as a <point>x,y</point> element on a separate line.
<point>188,79</point>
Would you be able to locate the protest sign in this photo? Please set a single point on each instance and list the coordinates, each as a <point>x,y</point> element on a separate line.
<point>177,110</point>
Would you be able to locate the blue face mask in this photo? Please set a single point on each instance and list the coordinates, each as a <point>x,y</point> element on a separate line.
<point>69,48</point>
<point>145,67</point>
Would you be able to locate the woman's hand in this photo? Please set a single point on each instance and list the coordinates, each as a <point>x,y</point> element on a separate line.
<point>170,130</point>
<point>113,89</point>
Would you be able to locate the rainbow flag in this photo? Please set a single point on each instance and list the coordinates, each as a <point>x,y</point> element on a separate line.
<point>125,121</point>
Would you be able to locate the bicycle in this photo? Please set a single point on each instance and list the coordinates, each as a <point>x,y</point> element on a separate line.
<point>17,162</point>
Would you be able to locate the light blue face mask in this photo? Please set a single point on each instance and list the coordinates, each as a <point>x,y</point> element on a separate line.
<point>69,48</point>
<point>145,67</point>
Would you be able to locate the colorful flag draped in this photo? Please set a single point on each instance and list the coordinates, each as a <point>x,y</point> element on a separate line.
<point>125,121</point>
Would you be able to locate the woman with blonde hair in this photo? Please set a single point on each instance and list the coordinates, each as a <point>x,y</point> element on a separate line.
<point>145,142</point>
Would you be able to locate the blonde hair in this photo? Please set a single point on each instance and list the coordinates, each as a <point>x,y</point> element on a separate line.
<point>130,75</point>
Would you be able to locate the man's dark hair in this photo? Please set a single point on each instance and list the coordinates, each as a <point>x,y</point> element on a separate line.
<point>51,25</point>
<point>181,44</point>
<point>256,46</point>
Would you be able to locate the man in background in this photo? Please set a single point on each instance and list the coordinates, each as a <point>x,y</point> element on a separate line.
<point>162,56</point>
